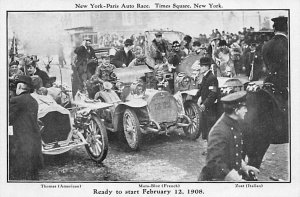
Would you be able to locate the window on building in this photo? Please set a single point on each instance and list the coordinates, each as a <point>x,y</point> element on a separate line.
<point>93,36</point>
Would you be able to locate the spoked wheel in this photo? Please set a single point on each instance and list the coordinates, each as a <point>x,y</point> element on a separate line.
<point>97,140</point>
<point>192,111</point>
<point>132,130</point>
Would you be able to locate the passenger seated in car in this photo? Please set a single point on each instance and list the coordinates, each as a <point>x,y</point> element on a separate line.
<point>34,70</point>
<point>139,60</point>
<point>45,101</point>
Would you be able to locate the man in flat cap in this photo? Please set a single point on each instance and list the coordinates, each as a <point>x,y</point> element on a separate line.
<point>224,161</point>
<point>25,156</point>
<point>208,94</point>
<point>85,64</point>
<point>158,49</point>
<point>124,56</point>
<point>275,55</point>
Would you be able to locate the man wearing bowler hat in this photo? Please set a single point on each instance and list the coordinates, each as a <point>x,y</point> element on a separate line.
<point>224,161</point>
<point>25,156</point>
<point>275,55</point>
<point>124,56</point>
<point>208,94</point>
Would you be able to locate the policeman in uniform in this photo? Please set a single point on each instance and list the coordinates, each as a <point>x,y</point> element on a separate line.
<point>224,160</point>
<point>208,94</point>
<point>275,55</point>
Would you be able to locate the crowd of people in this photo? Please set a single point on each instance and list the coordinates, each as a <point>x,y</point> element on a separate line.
<point>117,40</point>
<point>222,54</point>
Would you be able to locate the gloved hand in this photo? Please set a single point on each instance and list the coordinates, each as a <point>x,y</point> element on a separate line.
<point>202,108</point>
<point>246,168</point>
<point>233,175</point>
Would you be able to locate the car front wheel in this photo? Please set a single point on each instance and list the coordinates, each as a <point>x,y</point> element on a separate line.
<point>132,130</point>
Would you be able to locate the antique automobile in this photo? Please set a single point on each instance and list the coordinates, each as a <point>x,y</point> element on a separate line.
<point>60,132</point>
<point>187,81</point>
<point>137,107</point>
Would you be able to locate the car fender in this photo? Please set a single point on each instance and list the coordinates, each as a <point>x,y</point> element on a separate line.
<point>121,107</point>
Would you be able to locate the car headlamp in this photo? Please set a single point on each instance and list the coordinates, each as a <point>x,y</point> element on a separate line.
<point>137,88</point>
<point>185,81</point>
<point>107,85</point>
<point>120,85</point>
<point>226,90</point>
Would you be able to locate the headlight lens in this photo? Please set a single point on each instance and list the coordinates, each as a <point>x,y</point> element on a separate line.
<point>185,81</point>
<point>120,85</point>
<point>137,88</point>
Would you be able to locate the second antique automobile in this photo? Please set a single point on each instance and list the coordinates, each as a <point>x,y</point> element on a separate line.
<point>139,106</point>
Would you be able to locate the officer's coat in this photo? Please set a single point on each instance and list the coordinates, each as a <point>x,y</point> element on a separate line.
<point>275,56</point>
<point>224,151</point>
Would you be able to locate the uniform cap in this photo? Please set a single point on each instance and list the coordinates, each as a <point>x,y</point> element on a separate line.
<point>235,98</point>
<point>280,19</point>
<point>280,23</point>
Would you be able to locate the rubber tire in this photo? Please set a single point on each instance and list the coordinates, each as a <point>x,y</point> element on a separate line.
<point>191,106</point>
<point>99,158</point>
<point>131,113</point>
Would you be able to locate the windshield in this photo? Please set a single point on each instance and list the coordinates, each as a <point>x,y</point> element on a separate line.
<point>169,36</point>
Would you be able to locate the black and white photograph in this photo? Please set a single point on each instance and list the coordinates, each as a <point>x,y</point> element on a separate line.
<point>171,98</point>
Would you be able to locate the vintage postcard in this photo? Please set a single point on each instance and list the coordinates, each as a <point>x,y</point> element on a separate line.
<point>149,98</point>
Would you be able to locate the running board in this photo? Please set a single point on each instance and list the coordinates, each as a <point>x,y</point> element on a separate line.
<point>54,149</point>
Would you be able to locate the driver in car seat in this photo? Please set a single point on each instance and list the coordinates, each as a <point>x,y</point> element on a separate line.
<point>103,73</point>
